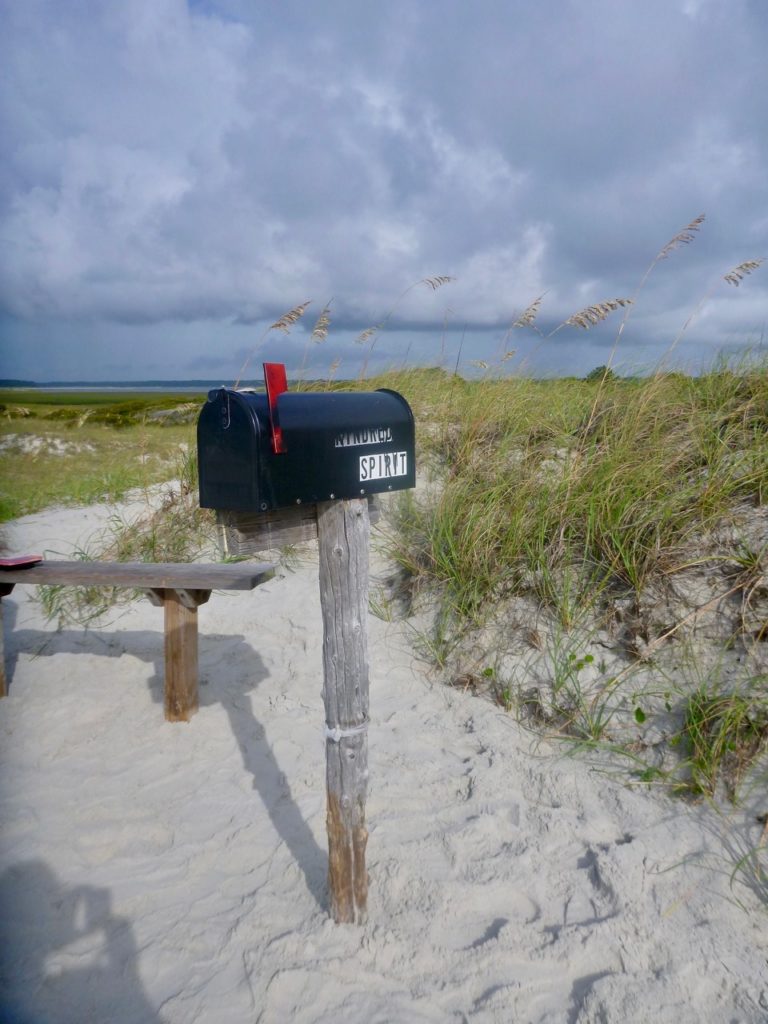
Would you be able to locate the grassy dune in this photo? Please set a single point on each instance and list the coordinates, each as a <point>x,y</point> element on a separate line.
<point>593,555</point>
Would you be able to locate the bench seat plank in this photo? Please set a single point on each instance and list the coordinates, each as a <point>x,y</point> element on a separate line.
<point>179,588</point>
<point>184,576</point>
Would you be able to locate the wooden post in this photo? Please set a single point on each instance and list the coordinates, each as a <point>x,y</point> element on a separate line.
<point>5,589</point>
<point>180,657</point>
<point>180,612</point>
<point>343,531</point>
<point>3,681</point>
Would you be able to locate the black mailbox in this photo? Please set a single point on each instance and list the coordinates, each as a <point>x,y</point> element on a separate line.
<point>258,451</point>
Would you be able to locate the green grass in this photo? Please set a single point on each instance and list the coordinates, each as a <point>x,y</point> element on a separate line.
<point>86,446</point>
<point>536,478</point>
<point>722,735</point>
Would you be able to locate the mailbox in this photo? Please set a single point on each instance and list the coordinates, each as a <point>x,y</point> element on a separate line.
<point>258,452</point>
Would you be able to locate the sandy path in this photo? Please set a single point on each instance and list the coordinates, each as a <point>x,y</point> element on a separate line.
<point>153,872</point>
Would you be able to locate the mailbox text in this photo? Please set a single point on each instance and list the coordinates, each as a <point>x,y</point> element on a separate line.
<point>367,435</point>
<point>382,466</point>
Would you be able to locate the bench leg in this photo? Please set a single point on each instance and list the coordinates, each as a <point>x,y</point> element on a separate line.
<point>3,681</point>
<point>180,658</point>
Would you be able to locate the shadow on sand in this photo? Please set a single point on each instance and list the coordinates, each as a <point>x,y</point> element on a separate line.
<point>245,671</point>
<point>64,956</point>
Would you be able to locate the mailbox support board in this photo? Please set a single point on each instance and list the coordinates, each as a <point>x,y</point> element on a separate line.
<point>246,533</point>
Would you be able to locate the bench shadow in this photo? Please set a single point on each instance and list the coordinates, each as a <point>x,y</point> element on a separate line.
<point>45,927</point>
<point>245,671</point>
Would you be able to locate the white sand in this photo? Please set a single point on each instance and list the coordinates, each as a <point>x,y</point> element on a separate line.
<point>155,872</point>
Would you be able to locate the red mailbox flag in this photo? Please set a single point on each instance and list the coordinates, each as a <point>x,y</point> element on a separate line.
<point>276,383</point>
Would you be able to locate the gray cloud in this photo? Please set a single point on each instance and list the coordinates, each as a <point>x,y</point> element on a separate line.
<point>178,175</point>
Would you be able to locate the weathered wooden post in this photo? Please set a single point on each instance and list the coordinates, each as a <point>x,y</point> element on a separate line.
<point>343,533</point>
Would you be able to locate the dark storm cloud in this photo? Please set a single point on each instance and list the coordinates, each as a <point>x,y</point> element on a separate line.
<point>178,173</point>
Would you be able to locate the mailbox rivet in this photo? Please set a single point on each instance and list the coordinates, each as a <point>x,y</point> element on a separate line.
<point>263,506</point>
<point>298,501</point>
<point>362,490</point>
<point>332,495</point>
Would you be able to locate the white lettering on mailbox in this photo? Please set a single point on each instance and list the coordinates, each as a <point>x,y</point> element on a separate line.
<point>367,435</point>
<point>384,465</point>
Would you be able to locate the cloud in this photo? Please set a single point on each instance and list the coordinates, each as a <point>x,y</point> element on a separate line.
<point>173,165</point>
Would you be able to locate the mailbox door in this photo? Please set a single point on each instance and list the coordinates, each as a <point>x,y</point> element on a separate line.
<point>346,444</point>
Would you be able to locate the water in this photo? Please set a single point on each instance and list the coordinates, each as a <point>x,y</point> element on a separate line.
<point>149,386</point>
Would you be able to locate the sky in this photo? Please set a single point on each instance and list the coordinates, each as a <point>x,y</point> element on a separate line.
<point>177,175</point>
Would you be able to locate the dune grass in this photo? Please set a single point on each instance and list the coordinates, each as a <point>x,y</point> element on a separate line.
<point>584,499</point>
<point>172,528</point>
<point>615,478</point>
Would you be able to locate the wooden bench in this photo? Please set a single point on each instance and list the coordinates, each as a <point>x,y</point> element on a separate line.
<point>179,588</point>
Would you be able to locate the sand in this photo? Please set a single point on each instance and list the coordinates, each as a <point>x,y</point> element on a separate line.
<point>157,872</point>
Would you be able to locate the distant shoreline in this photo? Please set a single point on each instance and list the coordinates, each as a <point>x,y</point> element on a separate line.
<point>112,385</point>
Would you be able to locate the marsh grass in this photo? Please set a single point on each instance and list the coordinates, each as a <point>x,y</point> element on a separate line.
<point>77,448</point>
